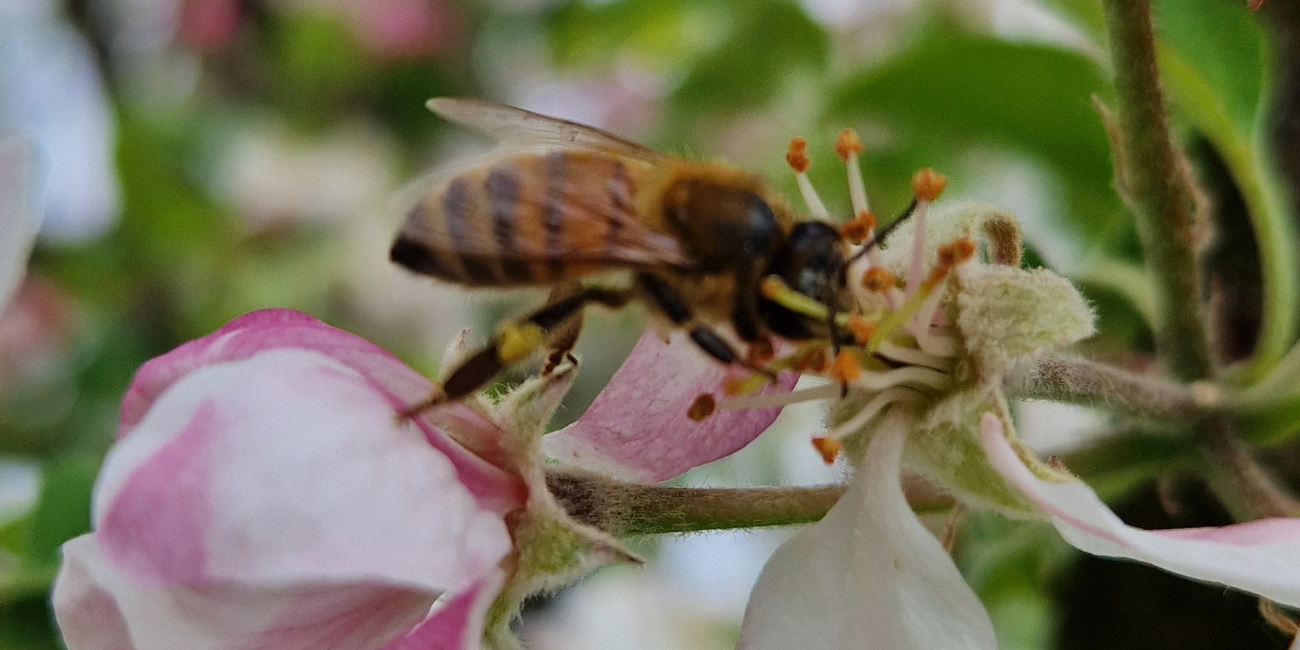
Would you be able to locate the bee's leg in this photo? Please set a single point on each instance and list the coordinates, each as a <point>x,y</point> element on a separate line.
<point>566,335</point>
<point>666,299</point>
<point>515,342</point>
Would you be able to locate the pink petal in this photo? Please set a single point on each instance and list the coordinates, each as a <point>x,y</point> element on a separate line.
<point>99,607</point>
<point>868,575</point>
<point>277,329</point>
<point>1259,556</point>
<point>637,428</point>
<point>289,468</point>
<point>456,624</point>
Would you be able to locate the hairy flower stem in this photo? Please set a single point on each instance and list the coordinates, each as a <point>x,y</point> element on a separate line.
<point>1070,379</point>
<point>627,509</point>
<point>1157,186</point>
<point>1158,190</point>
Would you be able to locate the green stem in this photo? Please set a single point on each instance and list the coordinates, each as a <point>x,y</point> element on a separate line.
<point>626,509</point>
<point>1159,191</point>
<point>1070,379</point>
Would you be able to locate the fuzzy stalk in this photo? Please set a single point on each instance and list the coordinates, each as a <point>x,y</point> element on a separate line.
<point>1074,380</point>
<point>1158,190</point>
<point>628,509</point>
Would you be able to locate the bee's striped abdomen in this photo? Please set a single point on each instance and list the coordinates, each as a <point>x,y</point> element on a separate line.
<point>526,220</point>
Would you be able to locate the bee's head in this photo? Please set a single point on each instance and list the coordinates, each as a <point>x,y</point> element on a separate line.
<point>812,262</point>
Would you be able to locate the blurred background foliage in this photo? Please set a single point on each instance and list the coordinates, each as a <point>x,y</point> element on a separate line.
<point>204,158</point>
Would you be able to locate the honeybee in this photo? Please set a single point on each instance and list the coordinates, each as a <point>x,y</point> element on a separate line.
<point>561,202</point>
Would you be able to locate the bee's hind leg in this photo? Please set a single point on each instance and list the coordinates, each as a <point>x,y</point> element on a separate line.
<point>565,335</point>
<point>516,342</point>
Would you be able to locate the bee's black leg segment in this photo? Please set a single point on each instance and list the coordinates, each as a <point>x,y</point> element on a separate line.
<point>716,346</point>
<point>566,335</point>
<point>519,340</point>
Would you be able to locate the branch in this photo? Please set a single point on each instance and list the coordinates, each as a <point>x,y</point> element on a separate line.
<point>625,509</point>
<point>1158,188</point>
<point>1070,379</point>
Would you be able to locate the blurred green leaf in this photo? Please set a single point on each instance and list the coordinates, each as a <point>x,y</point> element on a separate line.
<point>770,40</point>
<point>583,33</point>
<point>28,624</point>
<point>962,89</point>
<point>63,509</point>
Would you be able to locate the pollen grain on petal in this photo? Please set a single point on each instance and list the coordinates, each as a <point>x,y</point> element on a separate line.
<point>928,184</point>
<point>847,144</point>
<point>797,156</point>
<point>701,408</point>
<point>828,447</point>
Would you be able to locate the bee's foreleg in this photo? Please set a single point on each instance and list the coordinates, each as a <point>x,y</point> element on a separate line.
<point>516,342</point>
<point>566,335</point>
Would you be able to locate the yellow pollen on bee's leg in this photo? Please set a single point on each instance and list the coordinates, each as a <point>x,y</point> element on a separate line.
<point>518,341</point>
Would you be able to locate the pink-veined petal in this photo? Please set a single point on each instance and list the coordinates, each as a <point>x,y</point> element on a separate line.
<point>456,624</point>
<point>99,607</point>
<point>289,468</point>
<point>868,575</point>
<point>1259,556</point>
<point>278,329</point>
<point>637,428</point>
<point>19,217</point>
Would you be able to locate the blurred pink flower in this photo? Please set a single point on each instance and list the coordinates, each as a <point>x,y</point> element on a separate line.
<point>20,219</point>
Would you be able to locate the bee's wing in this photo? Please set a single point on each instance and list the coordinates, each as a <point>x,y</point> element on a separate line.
<point>516,128</point>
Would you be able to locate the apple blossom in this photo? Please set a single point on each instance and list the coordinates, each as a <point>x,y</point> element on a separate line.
<point>870,573</point>
<point>266,492</point>
<point>19,217</point>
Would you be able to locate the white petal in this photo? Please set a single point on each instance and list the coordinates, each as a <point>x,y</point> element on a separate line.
<point>99,607</point>
<point>1261,557</point>
<point>869,575</point>
<point>288,468</point>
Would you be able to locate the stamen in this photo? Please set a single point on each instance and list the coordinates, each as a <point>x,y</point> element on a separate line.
<point>914,356</point>
<point>797,159</point>
<point>847,146</point>
<point>927,184</point>
<point>775,289</point>
<point>845,369</point>
<point>744,385</point>
<point>760,352</point>
<point>914,375</point>
<point>701,408</point>
<point>878,280</point>
<point>859,229</point>
<point>861,329</point>
<point>828,447</point>
<point>813,359</point>
<point>897,394</point>
<point>825,391</point>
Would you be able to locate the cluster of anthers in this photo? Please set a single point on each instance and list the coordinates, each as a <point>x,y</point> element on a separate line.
<point>903,343</point>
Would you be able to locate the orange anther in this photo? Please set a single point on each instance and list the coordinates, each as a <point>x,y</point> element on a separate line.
<point>927,184</point>
<point>845,368</point>
<point>814,360</point>
<point>797,156</point>
<point>856,231</point>
<point>962,250</point>
<point>735,385</point>
<point>828,447</point>
<point>847,144</point>
<point>760,352</point>
<point>937,274</point>
<point>701,408</point>
<point>771,287</point>
<point>861,328</point>
<point>946,256</point>
<point>877,279</point>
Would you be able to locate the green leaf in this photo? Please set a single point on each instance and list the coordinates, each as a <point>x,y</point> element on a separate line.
<point>63,509</point>
<point>665,31</point>
<point>961,89</point>
<point>770,40</point>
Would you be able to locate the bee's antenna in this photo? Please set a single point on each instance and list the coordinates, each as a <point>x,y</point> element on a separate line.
<point>884,232</point>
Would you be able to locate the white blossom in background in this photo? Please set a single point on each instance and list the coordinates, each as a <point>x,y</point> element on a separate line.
<point>51,92</point>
